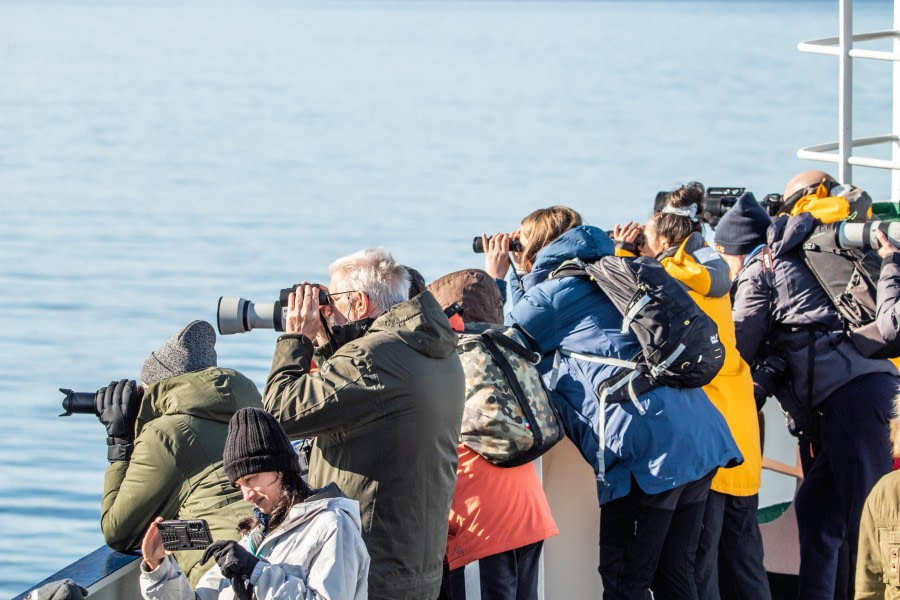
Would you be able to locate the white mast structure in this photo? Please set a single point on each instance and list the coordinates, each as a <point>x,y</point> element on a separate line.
<point>842,47</point>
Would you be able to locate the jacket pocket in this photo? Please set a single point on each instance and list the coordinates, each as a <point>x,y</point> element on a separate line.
<point>889,543</point>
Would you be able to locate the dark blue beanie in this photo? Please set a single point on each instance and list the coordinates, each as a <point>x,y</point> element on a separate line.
<point>743,227</point>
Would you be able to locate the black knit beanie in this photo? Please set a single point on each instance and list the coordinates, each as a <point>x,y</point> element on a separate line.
<point>743,227</point>
<point>256,443</point>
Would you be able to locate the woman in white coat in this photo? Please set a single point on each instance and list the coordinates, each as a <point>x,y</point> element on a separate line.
<point>301,544</point>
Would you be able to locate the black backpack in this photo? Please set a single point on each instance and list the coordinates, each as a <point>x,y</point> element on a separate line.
<point>680,344</point>
<point>849,276</point>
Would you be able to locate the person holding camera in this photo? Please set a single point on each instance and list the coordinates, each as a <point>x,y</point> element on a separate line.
<point>839,401</point>
<point>165,442</point>
<point>385,408</point>
<point>730,542</point>
<point>300,543</point>
<point>659,451</point>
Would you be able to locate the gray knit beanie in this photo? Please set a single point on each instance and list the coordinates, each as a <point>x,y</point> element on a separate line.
<point>743,227</point>
<point>64,589</point>
<point>256,443</point>
<point>191,349</point>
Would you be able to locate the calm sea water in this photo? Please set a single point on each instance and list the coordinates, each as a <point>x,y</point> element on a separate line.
<point>157,155</point>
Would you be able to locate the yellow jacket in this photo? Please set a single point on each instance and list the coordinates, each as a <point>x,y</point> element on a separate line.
<point>706,276</point>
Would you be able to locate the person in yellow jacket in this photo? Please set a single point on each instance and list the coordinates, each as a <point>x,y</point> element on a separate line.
<point>731,543</point>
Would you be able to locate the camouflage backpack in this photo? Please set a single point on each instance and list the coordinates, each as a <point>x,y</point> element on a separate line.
<point>509,418</point>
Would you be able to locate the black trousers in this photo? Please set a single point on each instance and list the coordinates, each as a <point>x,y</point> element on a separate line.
<point>730,554</point>
<point>510,575</point>
<point>851,454</point>
<point>650,542</point>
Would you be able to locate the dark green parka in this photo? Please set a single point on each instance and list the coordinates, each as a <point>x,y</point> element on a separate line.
<point>385,410</point>
<point>176,469</point>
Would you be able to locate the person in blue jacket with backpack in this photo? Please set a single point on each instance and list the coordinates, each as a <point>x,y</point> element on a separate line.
<point>655,469</point>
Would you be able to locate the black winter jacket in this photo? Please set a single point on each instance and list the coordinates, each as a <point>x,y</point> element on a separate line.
<point>800,323</point>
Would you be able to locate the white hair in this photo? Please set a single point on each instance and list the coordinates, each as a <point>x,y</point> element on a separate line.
<point>375,272</point>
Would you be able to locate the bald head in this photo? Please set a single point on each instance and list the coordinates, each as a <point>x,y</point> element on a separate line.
<point>804,180</point>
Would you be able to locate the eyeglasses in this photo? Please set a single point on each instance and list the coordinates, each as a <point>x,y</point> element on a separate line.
<point>331,297</point>
<point>333,294</point>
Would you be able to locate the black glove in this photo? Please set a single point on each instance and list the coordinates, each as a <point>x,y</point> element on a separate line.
<point>235,561</point>
<point>118,404</point>
<point>760,395</point>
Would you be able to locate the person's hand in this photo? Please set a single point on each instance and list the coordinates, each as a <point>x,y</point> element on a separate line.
<point>119,403</point>
<point>152,546</point>
<point>885,247</point>
<point>303,311</point>
<point>496,255</point>
<point>628,232</point>
<point>232,558</point>
<point>627,237</point>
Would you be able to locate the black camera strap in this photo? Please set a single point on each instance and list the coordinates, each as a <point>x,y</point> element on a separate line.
<point>328,332</point>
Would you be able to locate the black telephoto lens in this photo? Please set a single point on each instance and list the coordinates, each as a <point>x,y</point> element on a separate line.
<point>80,403</point>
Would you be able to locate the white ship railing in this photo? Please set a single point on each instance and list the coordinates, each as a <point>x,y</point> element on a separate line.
<point>841,152</point>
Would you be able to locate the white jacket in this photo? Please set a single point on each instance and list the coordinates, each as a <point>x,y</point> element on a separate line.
<point>316,554</point>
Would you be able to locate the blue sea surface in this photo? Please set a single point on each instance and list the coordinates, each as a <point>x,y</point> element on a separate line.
<point>157,155</point>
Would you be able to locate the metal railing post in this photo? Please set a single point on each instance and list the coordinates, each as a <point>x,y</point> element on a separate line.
<point>895,129</point>
<point>845,100</point>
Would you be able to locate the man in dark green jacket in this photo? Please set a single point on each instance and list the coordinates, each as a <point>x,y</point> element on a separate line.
<point>385,407</point>
<point>165,449</point>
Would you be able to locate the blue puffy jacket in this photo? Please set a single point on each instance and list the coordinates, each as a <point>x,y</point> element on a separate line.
<point>680,438</point>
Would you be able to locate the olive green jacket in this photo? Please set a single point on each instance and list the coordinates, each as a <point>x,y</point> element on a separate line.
<point>385,410</point>
<point>176,469</point>
<point>878,561</point>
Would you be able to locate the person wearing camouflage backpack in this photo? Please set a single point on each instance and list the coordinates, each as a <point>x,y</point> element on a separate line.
<point>505,553</point>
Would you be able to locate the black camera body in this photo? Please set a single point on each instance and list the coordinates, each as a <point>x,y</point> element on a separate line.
<point>767,376</point>
<point>718,200</point>
<point>772,203</point>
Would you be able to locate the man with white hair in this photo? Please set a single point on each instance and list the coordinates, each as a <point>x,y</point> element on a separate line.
<point>384,406</point>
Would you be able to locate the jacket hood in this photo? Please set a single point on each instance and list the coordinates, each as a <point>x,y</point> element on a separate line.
<point>421,324</point>
<point>214,394</point>
<point>328,498</point>
<point>698,266</point>
<point>585,242</point>
<point>787,233</point>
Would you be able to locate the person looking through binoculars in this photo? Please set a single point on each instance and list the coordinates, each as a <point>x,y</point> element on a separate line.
<point>385,408</point>
<point>730,542</point>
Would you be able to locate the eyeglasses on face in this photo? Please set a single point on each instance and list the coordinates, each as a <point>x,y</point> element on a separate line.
<point>333,294</point>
